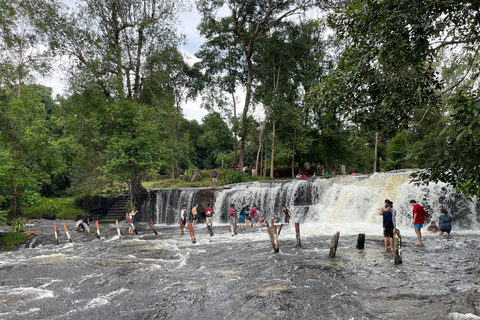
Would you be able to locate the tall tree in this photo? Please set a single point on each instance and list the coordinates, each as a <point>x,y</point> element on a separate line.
<point>248,22</point>
<point>112,44</point>
<point>387,78</point>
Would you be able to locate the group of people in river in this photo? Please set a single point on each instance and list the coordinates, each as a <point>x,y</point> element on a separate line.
<point>246,217</point>
<point>419,217</point>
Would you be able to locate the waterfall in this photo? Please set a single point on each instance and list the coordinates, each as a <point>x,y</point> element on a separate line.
<point>350,204</point>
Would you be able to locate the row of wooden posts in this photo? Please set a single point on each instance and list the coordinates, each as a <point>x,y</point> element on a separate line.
<point>272,232</point>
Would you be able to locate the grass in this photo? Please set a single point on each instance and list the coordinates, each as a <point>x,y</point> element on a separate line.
<point>63,208</point>
<point>8,241</point>
<point>205,180</point>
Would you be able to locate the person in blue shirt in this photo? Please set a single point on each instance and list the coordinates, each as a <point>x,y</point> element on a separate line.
<point>388,226</point>
<point>445,222</point>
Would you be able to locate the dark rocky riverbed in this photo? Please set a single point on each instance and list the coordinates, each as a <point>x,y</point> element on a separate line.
<point>224,277</point>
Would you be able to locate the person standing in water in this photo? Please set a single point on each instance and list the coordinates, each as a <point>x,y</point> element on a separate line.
<point>252,215</point>
<point>287,215</point>
<point>419,215</point>
<point>445,222</point>
<point>183,215</point>
<point>194,216</point>
<point>132,217</point>
<point>209,215</point>
<point>241,219</point>
<point>232,214</point>
<point>388,227</point>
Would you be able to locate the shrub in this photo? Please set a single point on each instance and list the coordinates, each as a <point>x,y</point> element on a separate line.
<point>9,240</point>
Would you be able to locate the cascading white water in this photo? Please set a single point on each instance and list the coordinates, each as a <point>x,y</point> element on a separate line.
<point>350,204</point>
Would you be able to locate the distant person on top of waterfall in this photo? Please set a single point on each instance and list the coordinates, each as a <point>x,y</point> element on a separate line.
<point>388,227</point>
<point>194,216</point>
<point>214,177</point>
<point>419,215</point>
<point>209,215</point>
<point>298,176</point>
<point>445,222</point>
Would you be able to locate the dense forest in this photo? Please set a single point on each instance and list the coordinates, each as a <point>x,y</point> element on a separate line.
<point>399,78</point>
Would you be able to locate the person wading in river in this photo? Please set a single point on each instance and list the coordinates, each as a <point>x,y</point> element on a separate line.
<point>183,215</point>
<point>388,227</point>
<point>232,214</point>
<point>445,222</point>
<point>419,215</point>
<point>208,215</point>
<point>194,216</point>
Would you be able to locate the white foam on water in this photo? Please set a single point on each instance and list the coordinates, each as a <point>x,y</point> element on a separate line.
<point>351,204</point>
<point>27,292</point>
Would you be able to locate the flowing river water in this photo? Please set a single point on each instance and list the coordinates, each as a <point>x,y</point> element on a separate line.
<point>165,276</point>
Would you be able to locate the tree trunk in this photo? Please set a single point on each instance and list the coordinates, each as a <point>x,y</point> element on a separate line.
<point>137,190</point>
<point>234,126</point>
<point>245,110</point>
<point>194,175</point>
<point>293,162</point>
<point>273,147</point>
<point>260,144</point>
<point>375,163</point>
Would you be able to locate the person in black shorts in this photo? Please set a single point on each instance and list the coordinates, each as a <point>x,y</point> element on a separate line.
<point>388,226</point>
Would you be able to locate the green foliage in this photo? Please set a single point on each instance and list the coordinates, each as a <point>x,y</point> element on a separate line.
<point>8,241</point>
<point>63,208</point>
<point>18,225</point>
<point>451,153</point>
<point>235,177</point>
<point>397,151</point>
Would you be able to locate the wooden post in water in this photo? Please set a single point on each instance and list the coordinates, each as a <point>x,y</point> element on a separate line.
<point>361,241</point>
<point>181,226</point>
<point>297,231</point>
<point>209,228</point>
<point>280,229</point>
<point>236,226</point>
<point>274,228</point>
<point>118,230</point>
<point>153,227</point>
<point>192,234</point>
<point>66,231</point>
<point>334,244</point>
<point>397,245</point>
<point>98,229</point>
<point>273,239</point>
<point>56,233</point>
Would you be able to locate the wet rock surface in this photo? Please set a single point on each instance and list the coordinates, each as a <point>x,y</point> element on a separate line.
<point>225,277</point>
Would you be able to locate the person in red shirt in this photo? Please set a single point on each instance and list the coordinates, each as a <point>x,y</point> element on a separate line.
<point>232,214</point>
<point>253,213</point>
<point>419,215</point>
<point>209,215</point>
